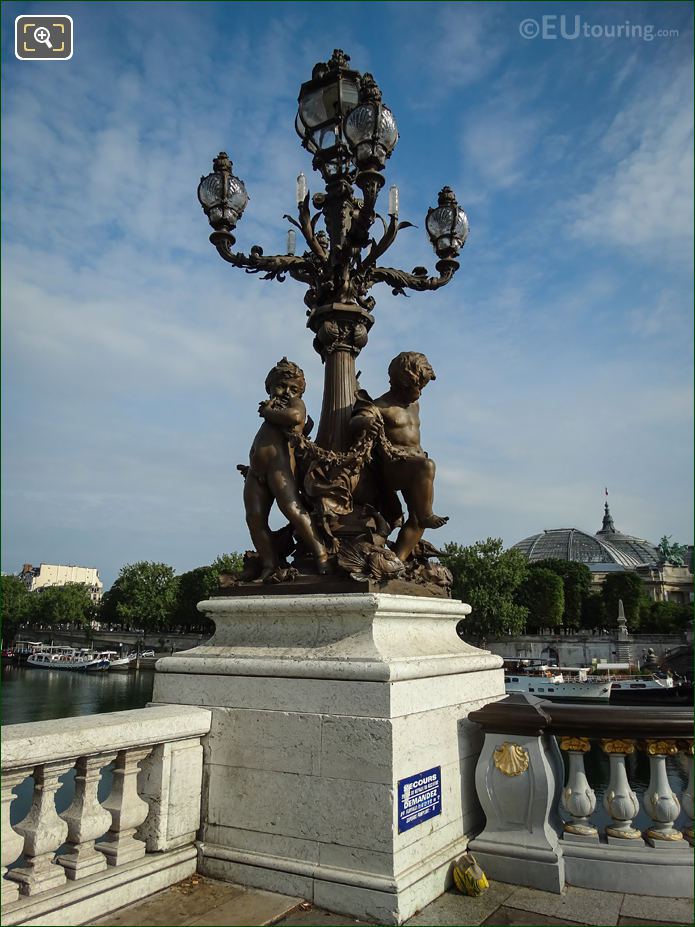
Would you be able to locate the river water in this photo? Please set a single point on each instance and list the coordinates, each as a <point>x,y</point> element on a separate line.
<point>30,694</point>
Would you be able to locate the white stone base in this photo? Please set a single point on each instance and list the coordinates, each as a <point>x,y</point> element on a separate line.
<point>320,705</point>
<point>83,901</point>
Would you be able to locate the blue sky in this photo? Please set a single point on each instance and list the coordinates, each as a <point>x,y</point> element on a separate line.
<point>134,357</point>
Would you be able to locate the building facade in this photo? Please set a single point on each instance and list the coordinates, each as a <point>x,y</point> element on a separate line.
<point>609,551</point>
<point>56,574</point>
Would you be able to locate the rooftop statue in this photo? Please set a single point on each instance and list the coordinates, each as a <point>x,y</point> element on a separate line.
<point>671,552</point>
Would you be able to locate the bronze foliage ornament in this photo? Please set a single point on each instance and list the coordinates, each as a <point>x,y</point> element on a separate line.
<point>340,491</point>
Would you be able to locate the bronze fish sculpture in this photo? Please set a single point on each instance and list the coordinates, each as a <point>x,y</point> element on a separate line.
<point>364,561</point>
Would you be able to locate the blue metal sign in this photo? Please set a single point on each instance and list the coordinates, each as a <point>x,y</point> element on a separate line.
<point>419,798</point>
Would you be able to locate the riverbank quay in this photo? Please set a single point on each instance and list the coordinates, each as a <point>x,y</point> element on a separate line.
<point>576,648</point>
<point>201,902</point>
<point>582,648</point>
<point>162,642</point>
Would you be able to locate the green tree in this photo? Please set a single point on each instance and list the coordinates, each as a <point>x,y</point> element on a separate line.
<point>15,598</point>
<point>143,596</point>
<point>665,617</point>
<point>228,563</point>
<point>626,586</point>
<point>193,587</point>
<point>199,584</point>
<point>593,612</point>
<point>487,577</point>
<point>576,580</point>
<point>543,594</point>
<point>70,604</point>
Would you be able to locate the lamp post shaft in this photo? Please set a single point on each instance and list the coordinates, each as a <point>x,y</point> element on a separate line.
<point>339,387</point>
<point>342,330</point>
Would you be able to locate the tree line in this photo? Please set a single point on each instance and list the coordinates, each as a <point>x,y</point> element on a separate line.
<point>508,595</point>
<point>145,597</point>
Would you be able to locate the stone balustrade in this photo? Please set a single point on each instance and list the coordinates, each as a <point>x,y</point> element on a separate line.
<point>70,866</point>
<point>542,822</point>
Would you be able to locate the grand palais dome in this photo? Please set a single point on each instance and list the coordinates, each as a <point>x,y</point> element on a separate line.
<point>604,551</point>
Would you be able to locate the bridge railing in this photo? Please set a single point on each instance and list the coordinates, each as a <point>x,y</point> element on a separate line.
<point>544,827</point>
<point>94,856</point>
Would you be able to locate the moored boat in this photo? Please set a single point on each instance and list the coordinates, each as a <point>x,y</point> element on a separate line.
<point>599,683</point>
<point>24,649</point>
<point>652,690</point>
<point>67,658</point>
<point>120,664</point>
<point>557,683</point>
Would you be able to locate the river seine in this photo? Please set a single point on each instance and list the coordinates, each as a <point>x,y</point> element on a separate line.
<point>30,694</point>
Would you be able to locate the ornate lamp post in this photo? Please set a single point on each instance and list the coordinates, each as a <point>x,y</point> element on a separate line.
<point>350,133</point>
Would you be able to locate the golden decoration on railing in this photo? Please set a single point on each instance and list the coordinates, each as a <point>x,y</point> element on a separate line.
<point>686,746</point>
<point>511,759</point>
<point>660,835</point>
<point>618,746</point>
<point>575,744</point>
<point>660,747</point>
<point>629,834</point>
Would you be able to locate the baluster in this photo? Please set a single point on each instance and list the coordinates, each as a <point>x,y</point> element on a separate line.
<point>660,802</point>
<point>43,833</point>
<point>128,810</point>
<point>12,842</point>
<point>687,796</point>
<point>578,798</point>
<point>620,801</point>
<point>86,819</point>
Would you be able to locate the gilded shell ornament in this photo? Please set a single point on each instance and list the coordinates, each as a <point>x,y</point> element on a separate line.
<point>511,759</point>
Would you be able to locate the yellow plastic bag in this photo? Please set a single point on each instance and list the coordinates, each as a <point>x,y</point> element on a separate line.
<point>469,878</point>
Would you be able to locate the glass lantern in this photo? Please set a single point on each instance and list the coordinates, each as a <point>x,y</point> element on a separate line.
<point>222,195</point>
<point>324,102</point>
<point>447,225</point>
<point>371,128</point>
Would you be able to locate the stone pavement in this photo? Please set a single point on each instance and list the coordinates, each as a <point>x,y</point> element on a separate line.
<point>201,901</point>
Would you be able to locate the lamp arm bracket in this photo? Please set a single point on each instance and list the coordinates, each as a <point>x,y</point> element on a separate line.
<point>275,266</point>
<point>418,279</point>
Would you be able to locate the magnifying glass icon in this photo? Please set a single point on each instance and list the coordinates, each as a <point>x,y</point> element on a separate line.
<point>42,35</point>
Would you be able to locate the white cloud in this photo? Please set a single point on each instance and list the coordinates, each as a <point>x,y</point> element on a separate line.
<point>453,45</point>
<point>643,193</point>
<point>499,142</point>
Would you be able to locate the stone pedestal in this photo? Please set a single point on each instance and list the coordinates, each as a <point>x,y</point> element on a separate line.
<point>321,705</point>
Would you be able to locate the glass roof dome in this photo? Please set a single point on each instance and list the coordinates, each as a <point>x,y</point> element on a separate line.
<point>607,549</point>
